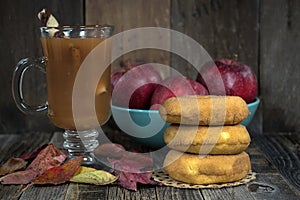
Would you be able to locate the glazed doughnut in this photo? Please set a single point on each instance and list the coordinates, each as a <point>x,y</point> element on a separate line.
<point>204,110</point>
<point>207,140</point>
<point>193,169</point>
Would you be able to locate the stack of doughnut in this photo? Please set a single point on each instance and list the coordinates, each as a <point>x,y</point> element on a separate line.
<point>206,139</point>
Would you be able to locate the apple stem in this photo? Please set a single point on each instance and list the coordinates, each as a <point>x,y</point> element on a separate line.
<point>234,59</point>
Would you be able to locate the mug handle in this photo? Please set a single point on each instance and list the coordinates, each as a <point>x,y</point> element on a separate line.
<point>17,83</point>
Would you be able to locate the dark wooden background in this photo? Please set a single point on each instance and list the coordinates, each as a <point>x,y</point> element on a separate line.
<point>264,33</point>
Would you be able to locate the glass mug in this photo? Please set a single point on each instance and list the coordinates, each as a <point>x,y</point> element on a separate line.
<point>64,54</point>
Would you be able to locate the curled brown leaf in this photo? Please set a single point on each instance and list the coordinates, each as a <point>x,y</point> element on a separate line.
<point>12,165</point>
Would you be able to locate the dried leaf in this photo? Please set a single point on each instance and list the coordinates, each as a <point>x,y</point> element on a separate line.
<point>34,153</point>
<point>12,165</point>
<point>132,169</point>
<point>129,180</point>
<point>49,157</point>
<point>96,177</point>
<point>132,162</point>
<point>20,177</point>
<point>60,174</point>
<point>46,159</point>
<point>112,150</point>
<point>84,169</point>
<point>138,161</point>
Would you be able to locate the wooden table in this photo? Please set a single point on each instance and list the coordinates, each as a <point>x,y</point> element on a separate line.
<point>274,157</point>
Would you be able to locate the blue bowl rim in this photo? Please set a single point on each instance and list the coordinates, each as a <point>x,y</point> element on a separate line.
<point>133,110</point>
<point>254,103</point>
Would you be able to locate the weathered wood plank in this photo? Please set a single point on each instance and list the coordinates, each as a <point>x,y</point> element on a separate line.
<point>239,192</point>
<point>16,145</point>
<point>85,192</point>
<point>53,192</point>
<point>12,192</point>
<point>283,153</point>
<point>272,186</point>
<point>130,14</point>
<point>144,192</point>
<point>259,163</point>
<point>279,60</point>
<point>8,146</point>
<point>176,193</point>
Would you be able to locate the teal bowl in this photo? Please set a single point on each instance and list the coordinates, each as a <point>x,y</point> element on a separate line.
<point>147,127</point>
<point>252,108</point>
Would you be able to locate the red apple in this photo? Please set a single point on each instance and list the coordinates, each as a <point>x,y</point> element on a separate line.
<point>229,77</point>
<point>176,86</point>
<point>115,77</point>
<point>132,86</point>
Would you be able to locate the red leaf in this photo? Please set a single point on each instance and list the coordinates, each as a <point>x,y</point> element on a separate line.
<point>34,153</point>
<point>60,174</point>
<point>132,162</point>
<point>49,157</point>
<point>129,180</point>
<point>13,164</point>
<point>138,161</point>
<point>133,168</point>
<point>20,177</point>
<point>112,150</point>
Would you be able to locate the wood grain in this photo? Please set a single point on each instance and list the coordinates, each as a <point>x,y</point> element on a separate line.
<point>16,145</point>
<point>86,191</point>
<point>279,60</point>
<point>176,193</point>
<point>259,163</point>
<point>128,14</point>
<point>227,193</point>
<point>131,14</point>
<point>282,150</point>
<point>144,192</point>
<point>37,192</point>
<point>272,186</point>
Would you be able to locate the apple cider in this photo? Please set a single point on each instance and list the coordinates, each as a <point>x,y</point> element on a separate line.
<point>64,58</point>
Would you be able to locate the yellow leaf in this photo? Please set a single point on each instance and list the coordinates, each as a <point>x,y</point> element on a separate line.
<point>98,177</point>
<point>83,169</point>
